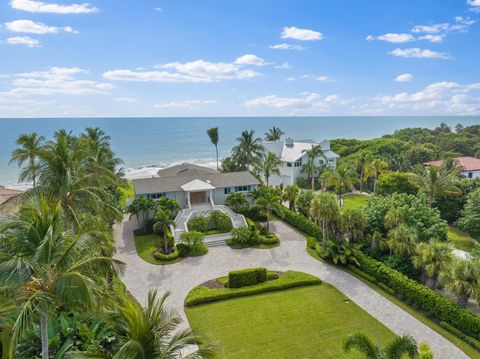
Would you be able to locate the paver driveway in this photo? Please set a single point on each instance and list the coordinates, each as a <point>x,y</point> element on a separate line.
<point>181,277</point>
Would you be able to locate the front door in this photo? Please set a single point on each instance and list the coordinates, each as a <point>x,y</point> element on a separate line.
<point>198,197</point>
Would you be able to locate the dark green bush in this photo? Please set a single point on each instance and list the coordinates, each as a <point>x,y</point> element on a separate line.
<point>198,223</point>
<point>311,242</point>
<point>386,288</point>
<point>246,277</point>
<point>272,238</point>
<point>166,257</point>
<point>422,297</point>
<point>183,250</point>
<point>250,224</point>
<point>361,273</point>
<point>253,213</point>
<point>219,221</point>
<point>301,223</point>
<point>472,341</point>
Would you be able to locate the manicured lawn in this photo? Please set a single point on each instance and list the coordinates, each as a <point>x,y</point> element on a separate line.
<point>306,322</point>
<point>354,200</point>
<point>148,244</point>
<point>461,240</point>
<point>127,193</point>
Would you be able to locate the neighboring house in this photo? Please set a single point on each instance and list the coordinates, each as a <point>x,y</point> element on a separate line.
<point>194,185</point>
<point>293,156</point>
<point>7,193</point>
<point>469,166</point>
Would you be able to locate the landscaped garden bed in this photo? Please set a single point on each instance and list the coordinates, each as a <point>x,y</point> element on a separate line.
<point>215,222</point>
<point>254,235</point>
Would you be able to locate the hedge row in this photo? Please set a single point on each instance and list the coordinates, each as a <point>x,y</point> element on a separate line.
<point>472,341</point>
<point>421,296</point>
<point>246,277</point>
<point>289,279</point>
<point>166,257</point>
<point>301,223</point>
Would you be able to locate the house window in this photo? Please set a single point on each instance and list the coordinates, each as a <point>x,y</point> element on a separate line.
<point>470,174</point>
<point>227,190</point>
<point>320,162</point>
<point>156,195</point>
<point>289,164</point>
<point>243,188</point>
<point>298,163</point>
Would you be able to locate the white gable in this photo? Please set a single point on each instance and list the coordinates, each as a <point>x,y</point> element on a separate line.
<point>196,185</point>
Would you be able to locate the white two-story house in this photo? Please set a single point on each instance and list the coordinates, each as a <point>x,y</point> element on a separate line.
<point>293,156</point>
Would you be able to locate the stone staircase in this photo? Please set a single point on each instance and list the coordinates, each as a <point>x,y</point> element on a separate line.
<point>184,215</point>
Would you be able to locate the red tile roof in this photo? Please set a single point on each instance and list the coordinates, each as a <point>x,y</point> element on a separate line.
<point>7,193</point>
<point>466,163</point>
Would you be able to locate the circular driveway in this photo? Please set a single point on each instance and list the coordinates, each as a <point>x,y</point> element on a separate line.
<point>181,277</point>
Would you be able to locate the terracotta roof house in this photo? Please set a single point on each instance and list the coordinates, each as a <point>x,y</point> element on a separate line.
<point>7,193</point>
<point>469,166</point>
<point>292,154</point>
<point>194,185</point>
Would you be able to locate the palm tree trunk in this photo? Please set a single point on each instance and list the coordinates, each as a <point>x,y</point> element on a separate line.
<point>216,150</point>
<point>324,231</point>
<point>313,183</point>
<point>361,180</point>
<point>165,241</point>
<point>340,199</point>
<point>375,184</point>
<point>44,335</point>
<point>268,222</point>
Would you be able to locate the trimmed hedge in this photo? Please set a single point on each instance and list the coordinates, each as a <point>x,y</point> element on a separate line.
<point>472,341</point>
<point>272,238</point>
<point>301,223</point>
<point>289,279</point>
<point>246,277</point>
<point>421,296</point>
<point>311,242</point>
<point>166,257</point>
<point>361,273</point>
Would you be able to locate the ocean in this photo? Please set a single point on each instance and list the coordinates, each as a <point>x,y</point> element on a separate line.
<point>146,144</point>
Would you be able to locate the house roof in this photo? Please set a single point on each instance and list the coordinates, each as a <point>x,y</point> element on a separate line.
<point>295,151</point>
<point>196,185</point>
<point>466,163</point>
<point>7,193</point>
<point>174,178</point>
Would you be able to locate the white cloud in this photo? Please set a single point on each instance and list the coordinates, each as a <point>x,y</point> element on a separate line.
<point>28,26</point>
<point>404,78</point>
<point>185,104</point>
<point>286,46</point>
<point>284,65</point>
<point>159,9</point>
<point>54,81</point>
<point>42,7</point>
<point>194,71</point>
<point>290,79</point>
<point>433,38</point>
<point>23,40</point>
<point>296,33</point>
<point>125,99</point>
<point>419,53</point>
<point>474,5</point>
<point>461,24</point>
<point>318,78</point>
<point>306,102</point>
<point>392,37</point>
<point>250,59</point>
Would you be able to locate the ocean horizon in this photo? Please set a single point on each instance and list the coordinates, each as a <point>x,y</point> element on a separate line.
<point>146,144</point>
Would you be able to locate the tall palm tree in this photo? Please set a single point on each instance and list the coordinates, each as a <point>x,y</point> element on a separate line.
<point>266,165</point>
<point>433,258</point>
<point>463,280</point>
<point>268,202</point>
<point>152,331</point>
<point>247,149</point>
<point>228,164</point>
<point>362,162</point>
<point>435,181</point>
<point>30,148</point>
<point>290,194</point>
<point>98,148</point>
<point>47,268</point>
<point>403,346</point>
<point>213,135</point>
<point>311,169</point>
<point>274,134</point>
<point>342,180</point>
<point>162,223</point>
<point>325,211</point>
<point>402,240</point>
<point>374,169</point>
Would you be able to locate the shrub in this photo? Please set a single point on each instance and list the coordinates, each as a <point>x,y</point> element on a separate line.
<point>166,257</point>
<point>246,277</point>
<point>386,288</point>
<point>251,224</point>
<point>472,341</point>
<point>311,242</point>
<point>422,297</point>
<point>301,223</point>
<point>270,239</point>
<point>183,250</point>
<point>198,223</point>
<point>241,235</point>
<point>253,213</point>
<point>289,279</point>
<point>192,239</point>
<point>219,221</point>
<point>361,273</point>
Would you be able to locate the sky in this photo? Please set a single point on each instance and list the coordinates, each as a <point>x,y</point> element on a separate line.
<point>111,58</point>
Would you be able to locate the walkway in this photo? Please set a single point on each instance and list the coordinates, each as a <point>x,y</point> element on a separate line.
<point>181,277</point>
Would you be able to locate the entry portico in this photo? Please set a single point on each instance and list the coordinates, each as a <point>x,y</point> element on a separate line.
<point>198,192</point>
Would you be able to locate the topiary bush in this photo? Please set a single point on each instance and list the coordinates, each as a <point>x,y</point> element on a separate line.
<point>198,223</point>
<point>269,239</point>
<point>166,257</point>
<point>246,277</point>
<point>219,221</point>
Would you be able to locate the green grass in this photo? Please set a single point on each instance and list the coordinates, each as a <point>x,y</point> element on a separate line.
<point>461,240</point>
<point>354,200</point>
<point>306,322</point>
<point>128,192</point>
<point>147,245</point>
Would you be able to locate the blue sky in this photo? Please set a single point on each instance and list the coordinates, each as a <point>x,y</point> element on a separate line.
<point>245,58</point>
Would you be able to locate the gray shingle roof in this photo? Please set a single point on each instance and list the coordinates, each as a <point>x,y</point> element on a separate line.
<point>171,179</point>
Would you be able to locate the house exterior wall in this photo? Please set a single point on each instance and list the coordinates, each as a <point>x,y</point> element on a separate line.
<point>471,174</point>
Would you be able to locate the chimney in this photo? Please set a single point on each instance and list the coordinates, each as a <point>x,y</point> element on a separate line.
<point>289,142</point>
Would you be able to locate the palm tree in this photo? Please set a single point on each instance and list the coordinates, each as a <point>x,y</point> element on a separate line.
<point>213,134</point>
<point>462,279</point>
<point>30,147</point>
<point>342,180</point>
<point>269,202</point>
<point>268,164</point>
<point>399,347</point>
<point>47,268</point>
<point>152,331</point>
<point>162,223</point>
<point>394,217</point>
<point>435,181</point>
<point>247,149</point>
<point>311,168</point>
<point>99,151</point>
<point>290,194</point>
<point>433,258</point>
<point>274,134</point>
<point>374,169</point>
<point>228,164</point>
<point>402,240</point>
<point>236,201</point>
<point>362,162</point>
<point>325,211</point>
